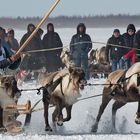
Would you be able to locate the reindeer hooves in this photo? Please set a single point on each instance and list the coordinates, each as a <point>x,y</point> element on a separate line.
<point>60,123</point>
<point>137,119</point>
<point>94,128</point>
<point>14,129</point>
<point>2,129</point>
<point>48,128</point>
<point>114,131</point>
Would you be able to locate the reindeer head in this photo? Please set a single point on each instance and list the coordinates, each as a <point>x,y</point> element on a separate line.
<point>92,56</point>
<point>78,77</point>
<point>66,58</point>
<point>9,83</point>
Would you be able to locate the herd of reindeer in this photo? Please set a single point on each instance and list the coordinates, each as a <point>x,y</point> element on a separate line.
<point>63,88</point>
<point>98,62</point>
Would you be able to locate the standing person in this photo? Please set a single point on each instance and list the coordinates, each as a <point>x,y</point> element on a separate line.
<point>137,45</point>
<point>80,46</point>
<point>129,42</point>
<point>133,53</point>
<point>3,37</point>
<point>52,40</point>
<point>8,49</point>
<point>13,43</point>
<point>31,62</point>
<point>7,60</point>
<point>115,53</point>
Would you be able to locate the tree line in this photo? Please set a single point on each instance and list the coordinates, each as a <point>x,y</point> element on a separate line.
<point>98,21</point>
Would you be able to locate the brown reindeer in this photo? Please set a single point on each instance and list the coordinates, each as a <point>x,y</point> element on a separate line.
<point>98,62</point>
<point>99,69</point>
<point>66,58</point>
<point>127,90</point>
<point>65,94</point>
<point>99,55</point>
<point>9,94</point>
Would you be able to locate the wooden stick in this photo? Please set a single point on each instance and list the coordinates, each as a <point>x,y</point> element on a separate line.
<point>37,27</point>
<point>27,106</point>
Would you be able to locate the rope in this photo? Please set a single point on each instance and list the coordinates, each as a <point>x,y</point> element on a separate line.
<point>33,89</point>
<point>90,97</point>
<point>82,99</point>
<point>89,84</point>
<point>84,42</point>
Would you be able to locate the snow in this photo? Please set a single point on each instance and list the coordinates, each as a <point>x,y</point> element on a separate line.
<point>83,112</point>
<point>83,117</point>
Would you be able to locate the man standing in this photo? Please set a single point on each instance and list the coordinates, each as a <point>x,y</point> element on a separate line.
<point>115,53</point>
<point>7,60</point>
<point>129,41</point>
<point>6,54</point>
<point>12,41</point>
<point>80,46</point>
<point>52,40</point>
<point>31,62</point>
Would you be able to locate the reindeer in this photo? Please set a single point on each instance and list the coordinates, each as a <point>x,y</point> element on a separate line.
<point>124,87</point>
<point>9,94</point>
<point>64,95</point>
<point>98,62</point>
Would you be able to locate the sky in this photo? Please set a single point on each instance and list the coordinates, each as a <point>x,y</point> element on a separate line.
<point>31,8</point>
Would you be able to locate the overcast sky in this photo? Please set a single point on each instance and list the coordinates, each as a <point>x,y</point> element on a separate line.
<point>14,8</point>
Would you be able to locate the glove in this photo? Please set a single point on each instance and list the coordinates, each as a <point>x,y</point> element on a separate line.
<point>15,57</point>
<point>123,58</point>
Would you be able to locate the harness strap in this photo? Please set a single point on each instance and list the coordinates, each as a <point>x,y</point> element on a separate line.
<point>61,87</point>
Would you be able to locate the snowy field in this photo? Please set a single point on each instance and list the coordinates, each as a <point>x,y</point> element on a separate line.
<point>83,113</point>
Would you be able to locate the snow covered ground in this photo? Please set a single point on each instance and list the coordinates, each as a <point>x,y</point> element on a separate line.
<point>83,113</point>
<point>83,117</point>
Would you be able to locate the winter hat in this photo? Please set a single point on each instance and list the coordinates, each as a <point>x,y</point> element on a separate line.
<point>132,27</point>
<point>50,24</point>
<point>81,25</point>
<point>30,25</point>
<point>10,31</point>
<point>116,31</point>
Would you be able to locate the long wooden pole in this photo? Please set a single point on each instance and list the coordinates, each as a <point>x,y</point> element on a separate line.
<point>37,27</point>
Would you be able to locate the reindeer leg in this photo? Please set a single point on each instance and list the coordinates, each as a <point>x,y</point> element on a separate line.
<point>1,117</point>
<point>115,107</point>
<point>2,128</point>
<point>68,110</point>
<point>105,100</point>
<point>57,114</point>
<point>137,119</point>
<point>46,108</point>
<point>54,115</point>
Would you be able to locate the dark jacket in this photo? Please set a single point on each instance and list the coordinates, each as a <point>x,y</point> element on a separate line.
<point>31,62</point>
<point>78,49</point>
<point>34,44</point>
<point>114,52</point>
<point>137,42</point>
<point>129,41</point>
<point>52,40</point>
<point>7,64</point>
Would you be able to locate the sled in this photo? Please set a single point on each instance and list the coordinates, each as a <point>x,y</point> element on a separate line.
<point>19,109</point>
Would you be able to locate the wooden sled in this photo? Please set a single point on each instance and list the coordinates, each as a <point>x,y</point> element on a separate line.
<point>11,111</point>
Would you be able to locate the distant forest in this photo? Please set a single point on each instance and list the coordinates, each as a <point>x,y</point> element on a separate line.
<point>98,21</point>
